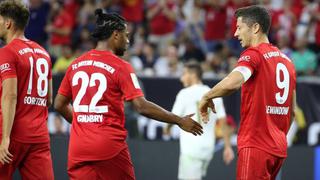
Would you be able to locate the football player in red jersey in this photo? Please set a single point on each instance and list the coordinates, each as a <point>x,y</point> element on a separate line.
<point>268,81</point>
<point>98,83</point>
<point>26,93</point>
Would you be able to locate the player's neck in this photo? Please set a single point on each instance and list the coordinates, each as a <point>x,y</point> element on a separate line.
<point>259,40</point>
<point>195,82</point>
<point>15,35</point>
<point>103,46</point>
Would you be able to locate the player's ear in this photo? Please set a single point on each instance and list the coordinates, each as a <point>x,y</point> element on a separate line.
<point>8,23</point>
<point>116,35</point>
<point>256,28</point>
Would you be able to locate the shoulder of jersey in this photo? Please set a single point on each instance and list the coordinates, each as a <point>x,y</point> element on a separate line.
<point>250,50</point>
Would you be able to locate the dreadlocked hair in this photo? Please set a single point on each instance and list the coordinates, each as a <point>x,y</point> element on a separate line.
<point>106,24</point>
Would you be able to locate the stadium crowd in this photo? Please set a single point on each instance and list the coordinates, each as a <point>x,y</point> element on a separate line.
<point>166,33</point>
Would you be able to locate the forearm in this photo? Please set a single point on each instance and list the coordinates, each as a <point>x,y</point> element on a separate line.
<point>169,14</point>
<point>8,108</point>
<point>152,12</point>
<point>156,112</point>
<point>227,86</point>
<point>66,112</point>
<point>62,31</point>
<point>219,90</point>
<point>63,106</point>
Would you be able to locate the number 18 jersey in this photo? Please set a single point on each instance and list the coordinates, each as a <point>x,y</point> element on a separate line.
<point>31,65</point>
<point>98,82</point>
<point>266,99</point>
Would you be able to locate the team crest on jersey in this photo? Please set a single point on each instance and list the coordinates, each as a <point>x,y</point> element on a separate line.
<point>5,67</point>
<point>244,58</point>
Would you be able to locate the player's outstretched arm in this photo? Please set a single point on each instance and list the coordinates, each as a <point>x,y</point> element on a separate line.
<point>63,106</point>
<point>225,87</point>
<point>8,107</point>
<point>156,112</point>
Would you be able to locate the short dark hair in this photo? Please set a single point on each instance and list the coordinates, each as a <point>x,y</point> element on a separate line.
<point>194,67</point>
<point>16,11</point>
<point>106,24</point>
<point>255,14</point>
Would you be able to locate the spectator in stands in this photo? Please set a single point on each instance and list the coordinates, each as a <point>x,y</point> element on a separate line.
<point>39,14</point>
<point>162,21</point>
<point>316,18</point>
<point>110,6</point>
<point>206,67</point>
<point>304,59</point>
<point>133,12</point>
<point>191,51</point>
<point>84,42</point>
<point>60,29</point>
<point>215,22</point>
<point>283,42</point>
<point>169,64</point>
<point>284,21</point>
<point>85,14</point>
<point>64,60</point>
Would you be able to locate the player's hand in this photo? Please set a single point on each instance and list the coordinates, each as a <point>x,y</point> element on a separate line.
<point>5,155</point>
<point>228,155</point>
<point>191,126</point>
<point>204,104</point>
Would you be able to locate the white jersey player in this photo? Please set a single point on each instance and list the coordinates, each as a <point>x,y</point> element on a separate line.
<point>197,152</point>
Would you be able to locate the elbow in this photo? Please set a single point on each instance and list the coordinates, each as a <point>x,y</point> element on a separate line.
<point>141,106</point>
<point>10,97</point>
<point>49,102</point>
<point>57,106</point>
<point>232,86</point>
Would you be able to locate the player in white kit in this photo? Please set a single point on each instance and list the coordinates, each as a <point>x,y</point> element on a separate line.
<point>197,152</point>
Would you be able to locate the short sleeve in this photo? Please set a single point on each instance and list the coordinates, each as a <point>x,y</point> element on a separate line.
<point>178,106</point>
<point>250,59</point>
<point>220,111</point>
<point>65,87</point>
<point>129,83</point>
<point>7,64</point>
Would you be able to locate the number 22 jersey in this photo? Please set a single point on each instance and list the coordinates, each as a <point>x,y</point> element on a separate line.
<point>31,65</point>
<point>98,82</point>
<point>266,99</point>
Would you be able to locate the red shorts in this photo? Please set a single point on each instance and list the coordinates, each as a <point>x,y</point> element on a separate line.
<point>256,164</point>
<point>118,167</point>
<point>32,160</point>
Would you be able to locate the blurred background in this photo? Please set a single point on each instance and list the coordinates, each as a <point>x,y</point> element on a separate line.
<point>164,34</point>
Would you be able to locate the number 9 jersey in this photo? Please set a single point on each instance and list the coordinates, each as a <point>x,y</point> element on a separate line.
<point>266,99</point>
<point>31,65</point>
<point>98,82</point>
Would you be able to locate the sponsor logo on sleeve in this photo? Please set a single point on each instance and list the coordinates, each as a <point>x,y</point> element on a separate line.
<point>4,67</point>
<point>244,58</point>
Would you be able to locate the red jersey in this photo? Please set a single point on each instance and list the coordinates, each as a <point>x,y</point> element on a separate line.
<point>31,65</point>
<point>98,82</point>
<point>215,23</point>
<point>63,20</point>
<point>160,24</point>
<point>266,99</point>
<point>132,10</point>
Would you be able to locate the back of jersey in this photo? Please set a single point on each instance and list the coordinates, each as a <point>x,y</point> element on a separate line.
<point>98,82</point>
<point>31,65</point>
